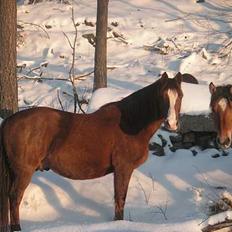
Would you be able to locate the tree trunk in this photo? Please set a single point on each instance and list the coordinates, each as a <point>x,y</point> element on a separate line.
<point>100,69</point>
<point>8,79</point>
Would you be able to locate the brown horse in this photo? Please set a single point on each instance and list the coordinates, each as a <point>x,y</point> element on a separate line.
<point>221,106</point>
<point>113,139</point>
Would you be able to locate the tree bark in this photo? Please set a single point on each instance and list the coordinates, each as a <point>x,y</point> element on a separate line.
<point>100,69</point>
<point>8,80</point>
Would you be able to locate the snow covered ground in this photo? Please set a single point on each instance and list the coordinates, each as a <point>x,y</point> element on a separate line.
<point>166,194</point>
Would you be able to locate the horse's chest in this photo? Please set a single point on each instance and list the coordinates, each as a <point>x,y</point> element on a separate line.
<point>141,157</point>
<point>133,153</point>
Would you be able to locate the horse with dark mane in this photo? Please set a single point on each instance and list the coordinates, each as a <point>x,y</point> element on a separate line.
<point>221,106</point>
<point>114,139</point>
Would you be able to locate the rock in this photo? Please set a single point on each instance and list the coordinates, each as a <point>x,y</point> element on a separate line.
<point>194,152</point>
<point>196,123</point>
<point>173,149</point>
<point>188,145</point>
<point>175,138</point>
<point>176,146</point>
<point>224,153</point>
<point>157,149</point>
<point>205,139</point>
<point>188,138</point>
<point>215,155</point>
<point>164,142</point>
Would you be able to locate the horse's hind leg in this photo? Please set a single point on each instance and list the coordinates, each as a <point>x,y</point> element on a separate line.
<point>20,181</point>
<point>121,181</point>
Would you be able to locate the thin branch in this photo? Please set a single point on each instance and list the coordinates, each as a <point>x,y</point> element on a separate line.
<point>162,210</point>
<point>36,25</point>
<point>84,75</point>
<point>72,68</point>
<point>147,197</point>
<point>69,42</point>
<point>59,100</point>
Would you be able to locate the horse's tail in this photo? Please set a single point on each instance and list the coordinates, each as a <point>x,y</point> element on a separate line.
<point>4,186</point>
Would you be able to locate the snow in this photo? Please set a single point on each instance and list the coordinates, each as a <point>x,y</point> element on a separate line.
<point>218,218</point>
<point>166,194</point>
<point>192,103</point>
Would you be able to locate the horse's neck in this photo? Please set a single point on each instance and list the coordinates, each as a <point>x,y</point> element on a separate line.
<point>149,131</point>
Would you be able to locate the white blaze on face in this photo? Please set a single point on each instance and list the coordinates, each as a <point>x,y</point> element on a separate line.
<point>172,119</point>
<point>223,103</point>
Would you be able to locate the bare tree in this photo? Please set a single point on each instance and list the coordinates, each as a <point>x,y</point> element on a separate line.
<point>8,80</point>
<point>100,69</point>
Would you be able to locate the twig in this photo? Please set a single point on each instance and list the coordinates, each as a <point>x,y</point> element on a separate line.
<point>36,25</point>
<point>152,181</point>
<point>72,68</point>
<point>84,75</point>
<point>69,42</point>
<point>147,197</point>
<point>59,100</point>
<point>163,210</point>
<point>175,44</point>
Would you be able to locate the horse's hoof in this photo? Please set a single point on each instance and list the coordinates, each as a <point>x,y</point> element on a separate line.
<point>118,217</point>
<point>15,228</point>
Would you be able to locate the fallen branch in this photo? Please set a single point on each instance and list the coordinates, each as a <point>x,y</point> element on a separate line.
<point>178,18</point>
<point>44,64</point>
<point>39,78</point>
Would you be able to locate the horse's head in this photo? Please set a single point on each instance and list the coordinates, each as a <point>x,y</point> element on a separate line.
<point>221,106</point>
<point>172,94</point>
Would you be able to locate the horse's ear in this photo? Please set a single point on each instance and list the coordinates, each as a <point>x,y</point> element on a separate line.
<point>212,88</point>
<point>164,76</point>
<point>178,77</point>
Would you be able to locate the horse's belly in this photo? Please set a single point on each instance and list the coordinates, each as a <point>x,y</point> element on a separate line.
<point>82,173</point>
<point>84,166</point>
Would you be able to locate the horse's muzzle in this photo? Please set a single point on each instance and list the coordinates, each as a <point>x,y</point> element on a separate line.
<point>171,128</point>
<point>223,144</point>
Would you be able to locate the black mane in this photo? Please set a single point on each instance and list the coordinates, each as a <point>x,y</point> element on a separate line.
<point>142,107</point>
<point>221,92</point>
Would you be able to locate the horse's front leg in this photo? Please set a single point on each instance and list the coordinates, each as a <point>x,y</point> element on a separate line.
<point>122,177</point>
